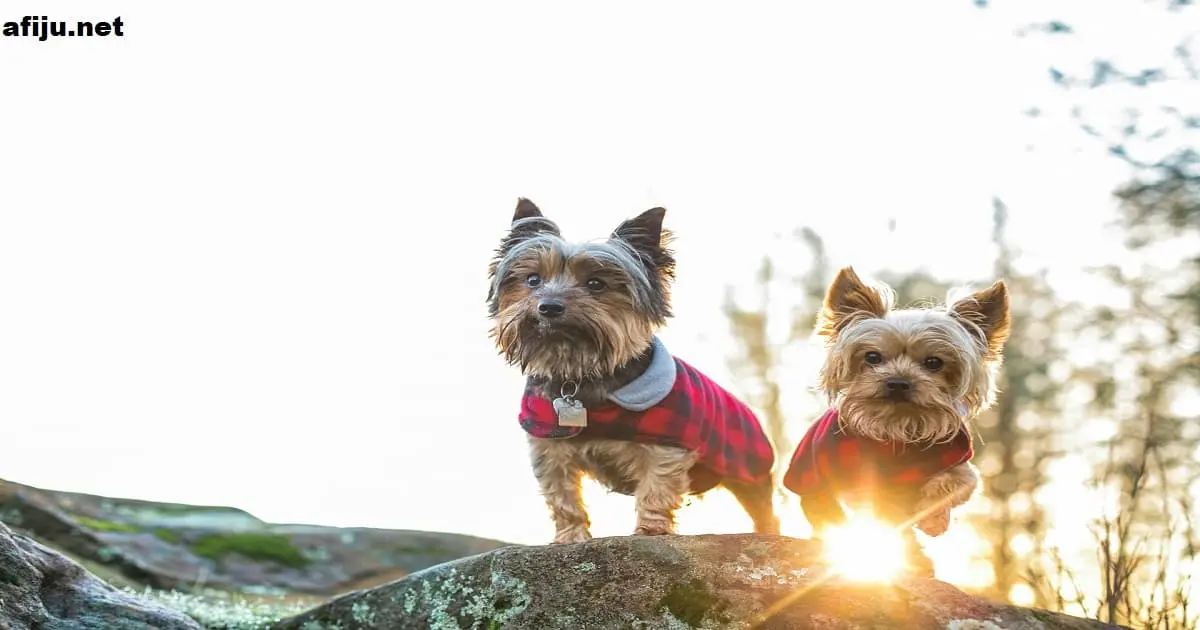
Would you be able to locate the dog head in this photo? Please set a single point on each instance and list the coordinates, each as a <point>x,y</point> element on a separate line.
<point>578,310</point>
<point>910,375</point>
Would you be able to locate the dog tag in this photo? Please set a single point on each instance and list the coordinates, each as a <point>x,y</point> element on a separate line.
<point>571,412</point>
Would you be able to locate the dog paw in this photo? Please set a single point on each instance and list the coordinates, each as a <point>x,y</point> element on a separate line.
<point>571,536</point>
<point>935,523</point>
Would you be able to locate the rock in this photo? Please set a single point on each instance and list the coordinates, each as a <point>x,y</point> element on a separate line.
<point>41,589</point>
<point>172,546</point>
<point>666,582</point>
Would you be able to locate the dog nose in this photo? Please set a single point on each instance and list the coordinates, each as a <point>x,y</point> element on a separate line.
<point>551,308</point>
<point>898,385</point>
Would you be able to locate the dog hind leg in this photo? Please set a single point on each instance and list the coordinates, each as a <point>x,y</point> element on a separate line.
<point>758,501</point>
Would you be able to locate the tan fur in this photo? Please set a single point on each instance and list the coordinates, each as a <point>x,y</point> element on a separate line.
<point>611,297</point>
<point>968,337</point>
<point>849,300</point>
<point>610,313</point>
<point>987,312</point>
<point>657,477</point>
<point>943,493</point>
<point>905,339</point>
<point>556,468</point>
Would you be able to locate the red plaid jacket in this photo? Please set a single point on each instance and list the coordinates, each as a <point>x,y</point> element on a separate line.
<point>828,458</point>
<point>697,415</point>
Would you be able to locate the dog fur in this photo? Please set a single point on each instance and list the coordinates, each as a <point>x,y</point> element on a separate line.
<point>609,298</point>
<point>948,356</point>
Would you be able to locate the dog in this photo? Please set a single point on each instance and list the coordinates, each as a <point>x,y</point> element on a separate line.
<point>603,396</point>
<point>902,384</point>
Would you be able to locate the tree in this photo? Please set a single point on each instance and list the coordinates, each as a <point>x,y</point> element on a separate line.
<point>1135,347</point>
<point>760,356</point>
<point>1155,137</point>
<point>1150,465</point>
<point>1020,434</point>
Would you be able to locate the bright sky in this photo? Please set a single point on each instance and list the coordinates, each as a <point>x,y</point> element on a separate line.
<point>243,249</point>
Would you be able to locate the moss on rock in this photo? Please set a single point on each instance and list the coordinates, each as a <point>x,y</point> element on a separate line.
<point>693,602</point>
<point>98,525</point>
<point>254,545</point>
<point>166,535</point>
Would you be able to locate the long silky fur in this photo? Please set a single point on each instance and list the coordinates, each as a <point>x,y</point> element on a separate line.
<point>613,334</point>
<point>602,342</point>
<point>968,335</point>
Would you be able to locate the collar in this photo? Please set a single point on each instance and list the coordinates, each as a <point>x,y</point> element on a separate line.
<point>653,385</point>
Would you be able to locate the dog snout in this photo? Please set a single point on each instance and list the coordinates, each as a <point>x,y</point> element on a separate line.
<point>898,387</point>
<point>551,308</point>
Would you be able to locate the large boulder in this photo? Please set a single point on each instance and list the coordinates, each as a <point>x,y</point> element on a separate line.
<point>667,582</point>
<point>42,590</point>
<point>172,546</point>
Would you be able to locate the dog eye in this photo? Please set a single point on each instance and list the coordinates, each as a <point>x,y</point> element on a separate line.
<point>533,280</point>
<point>873,358</point>
<point>933,364</point>
<point>596,284</point>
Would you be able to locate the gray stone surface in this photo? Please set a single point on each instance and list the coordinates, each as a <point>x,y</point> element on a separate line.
<point>41,589</point>
<point>172,546</point>
<point>669,583</point>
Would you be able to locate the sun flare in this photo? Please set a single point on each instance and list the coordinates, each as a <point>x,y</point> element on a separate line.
<point>865,550</point>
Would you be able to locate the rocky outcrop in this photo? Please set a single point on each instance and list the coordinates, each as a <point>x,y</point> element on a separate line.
<point>668,582</point>
<point>172,546</point>
<point>41,589</point>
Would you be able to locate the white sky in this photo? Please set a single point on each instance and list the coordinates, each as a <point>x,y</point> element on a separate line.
<point>243,250</point>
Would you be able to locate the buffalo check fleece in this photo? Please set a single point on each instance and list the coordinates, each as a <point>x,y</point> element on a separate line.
<point>828,459</point>
<point>672,404</point>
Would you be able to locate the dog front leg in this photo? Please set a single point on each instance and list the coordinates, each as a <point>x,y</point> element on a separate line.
<point>660,489</point>
<point>944,491</point>
<point>558,472</point>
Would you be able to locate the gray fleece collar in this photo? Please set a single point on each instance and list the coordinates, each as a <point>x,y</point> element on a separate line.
<point>653,385</point>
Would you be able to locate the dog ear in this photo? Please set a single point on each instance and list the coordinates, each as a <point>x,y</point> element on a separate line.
<point>985,313</point>
<point>526,209</point>
<point>528,220</point>
<point>848,300</point>
<point>646,235</point>
<point>644,232</point>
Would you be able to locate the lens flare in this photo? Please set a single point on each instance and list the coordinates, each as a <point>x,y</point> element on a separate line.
<point>865,550</point>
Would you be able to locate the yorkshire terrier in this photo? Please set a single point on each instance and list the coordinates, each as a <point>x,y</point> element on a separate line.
<point>902,383</point>
<point>603,396</point>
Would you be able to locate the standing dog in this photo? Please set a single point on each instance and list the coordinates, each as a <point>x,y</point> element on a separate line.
<point>603,395</point>
<point>903,384</point>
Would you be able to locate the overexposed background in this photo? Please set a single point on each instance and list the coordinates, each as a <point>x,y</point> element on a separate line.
<point>243,249</point>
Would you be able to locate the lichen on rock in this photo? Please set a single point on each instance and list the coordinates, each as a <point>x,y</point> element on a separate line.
<point>170,546</point>
<point>663,583</point>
